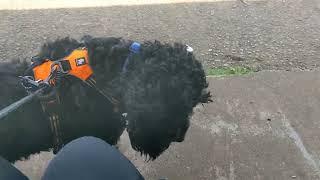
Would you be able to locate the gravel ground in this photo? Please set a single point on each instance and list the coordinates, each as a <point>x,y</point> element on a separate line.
<point>269,35</point>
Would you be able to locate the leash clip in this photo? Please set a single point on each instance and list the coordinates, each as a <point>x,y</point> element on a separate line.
<point>29,83</point>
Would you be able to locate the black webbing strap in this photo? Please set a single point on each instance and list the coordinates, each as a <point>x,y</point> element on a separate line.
<point>51,105</point>
<point>104,92</point>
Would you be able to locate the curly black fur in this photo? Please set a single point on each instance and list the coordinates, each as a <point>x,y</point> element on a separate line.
<point>25,131</point>
<point>158,92</point>
<point>161,90</point>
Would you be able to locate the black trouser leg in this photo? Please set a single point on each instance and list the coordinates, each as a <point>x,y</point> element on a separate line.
<point>9,172</point>
<point>90,158</point>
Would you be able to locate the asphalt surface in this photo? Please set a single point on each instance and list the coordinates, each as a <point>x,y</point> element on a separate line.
<point>272,35</point>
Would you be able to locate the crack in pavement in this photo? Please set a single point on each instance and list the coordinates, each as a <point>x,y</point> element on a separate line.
<point>294,135</point>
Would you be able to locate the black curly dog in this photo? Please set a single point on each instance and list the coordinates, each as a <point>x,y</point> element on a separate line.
<point>158,92</point>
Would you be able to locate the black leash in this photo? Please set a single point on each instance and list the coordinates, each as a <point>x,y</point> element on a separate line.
<point>14,106</point>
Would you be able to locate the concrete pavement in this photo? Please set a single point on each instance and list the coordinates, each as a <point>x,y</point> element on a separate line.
<point>261,126</point>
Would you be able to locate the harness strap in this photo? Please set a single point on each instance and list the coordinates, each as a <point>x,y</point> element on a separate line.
<point>104,92</point>
<point>51,105</point>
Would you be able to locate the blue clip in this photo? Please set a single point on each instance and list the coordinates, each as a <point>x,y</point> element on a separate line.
<point>134,49</point>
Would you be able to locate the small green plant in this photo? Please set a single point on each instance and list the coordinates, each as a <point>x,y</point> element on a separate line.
<point>228,71</point>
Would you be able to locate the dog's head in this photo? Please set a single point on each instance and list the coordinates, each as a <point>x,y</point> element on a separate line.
<point>162,88</point>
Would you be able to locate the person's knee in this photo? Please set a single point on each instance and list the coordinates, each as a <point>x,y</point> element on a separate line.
<point>90,158</point>
<point>86,141</point>
<point>86,148</point>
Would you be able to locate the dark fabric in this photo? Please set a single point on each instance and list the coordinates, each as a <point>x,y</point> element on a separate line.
<point>90,158</point>
<point>9,172</point>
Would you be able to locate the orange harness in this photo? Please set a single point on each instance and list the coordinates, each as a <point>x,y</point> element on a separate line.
<point>76,64</point>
